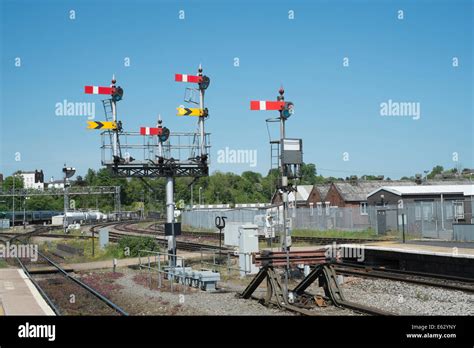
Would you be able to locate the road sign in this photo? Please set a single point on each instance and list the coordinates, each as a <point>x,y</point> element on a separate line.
<point>187,78</point>
<point>191,112</point>
<point>97,90</point>
<point>266,105</point>
<point>150,131</point>
<point>102,125</point>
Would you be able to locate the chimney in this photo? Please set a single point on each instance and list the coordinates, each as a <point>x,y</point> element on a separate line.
<point>353,179</point>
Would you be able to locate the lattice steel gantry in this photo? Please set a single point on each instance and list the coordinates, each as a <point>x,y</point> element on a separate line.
<point>155,151</point>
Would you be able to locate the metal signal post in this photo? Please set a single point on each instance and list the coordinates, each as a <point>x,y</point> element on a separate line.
<point>290,154</point>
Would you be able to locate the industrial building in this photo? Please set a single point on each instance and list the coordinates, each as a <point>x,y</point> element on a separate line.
<point>455,200</point>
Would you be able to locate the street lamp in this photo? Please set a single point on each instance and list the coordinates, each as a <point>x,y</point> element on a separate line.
<point>68,173</point>
<point>200,189</point>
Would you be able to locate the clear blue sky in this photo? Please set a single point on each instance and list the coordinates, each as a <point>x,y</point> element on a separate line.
<point>337,108</point>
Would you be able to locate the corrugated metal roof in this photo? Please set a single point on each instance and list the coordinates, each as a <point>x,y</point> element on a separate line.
<point>466,190</point>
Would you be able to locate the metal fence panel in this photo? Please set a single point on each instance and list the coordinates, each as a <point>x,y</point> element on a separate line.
<point>422,219</point>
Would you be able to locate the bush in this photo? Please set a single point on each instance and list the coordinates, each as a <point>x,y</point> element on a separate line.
<point>135,244</point>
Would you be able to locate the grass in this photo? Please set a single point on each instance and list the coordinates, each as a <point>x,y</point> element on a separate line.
<point>197,229</point>
<point>365,234</point>
<point>3,264</point>
<point>145,224</point>
<point>111,251</point>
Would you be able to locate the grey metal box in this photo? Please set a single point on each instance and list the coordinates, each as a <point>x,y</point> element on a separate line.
<point>292,151</point>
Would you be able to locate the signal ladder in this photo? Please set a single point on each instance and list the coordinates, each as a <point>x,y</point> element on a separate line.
<point>107,104</point>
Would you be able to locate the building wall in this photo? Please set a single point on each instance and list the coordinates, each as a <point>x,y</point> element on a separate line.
<point>358,219</point>
<point>389,198</point>
<point>314,197</point>
<point>334,197</point>
<point>55,185</point>
<point>29,181</point>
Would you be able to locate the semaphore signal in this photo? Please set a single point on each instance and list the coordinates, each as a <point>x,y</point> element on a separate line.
<point>290,159</point>
<point>187,78</point>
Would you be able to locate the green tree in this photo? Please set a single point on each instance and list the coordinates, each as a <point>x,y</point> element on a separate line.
<point>436,170</point>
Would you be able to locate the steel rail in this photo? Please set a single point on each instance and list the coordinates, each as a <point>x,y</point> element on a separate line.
<point>61,270</point>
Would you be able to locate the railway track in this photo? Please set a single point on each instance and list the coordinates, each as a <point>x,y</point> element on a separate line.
<point>296,239</point>
<point>158,228</point>
<point>128,229</point>
<point>61,288</point>
<point>420,278</point>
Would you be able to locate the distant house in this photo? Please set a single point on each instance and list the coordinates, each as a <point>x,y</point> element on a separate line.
<point>318,194</point>
<point>33,180</point>
<point>55,184</point>
<point>352,195</point>
<point>305,196</point>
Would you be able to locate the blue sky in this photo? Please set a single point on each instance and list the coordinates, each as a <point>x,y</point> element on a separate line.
<point>337,108</point>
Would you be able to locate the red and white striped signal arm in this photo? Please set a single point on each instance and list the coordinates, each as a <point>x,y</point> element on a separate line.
<point>187,78</point>
<point>97,90</point>
<point>150,131</point>
<point>266,105</point>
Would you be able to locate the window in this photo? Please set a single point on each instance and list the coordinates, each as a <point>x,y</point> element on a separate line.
<point>424,210</point>
<point>363,208</point>
<point>458,210</point>
<point>449,210</point>
<point>319,207</point>
<point>418,211</point>
<point>427,210</point>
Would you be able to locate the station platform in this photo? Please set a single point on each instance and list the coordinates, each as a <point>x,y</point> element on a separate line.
<point>428,256</point>
<point>429,247</point>
<point>18,295</point>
